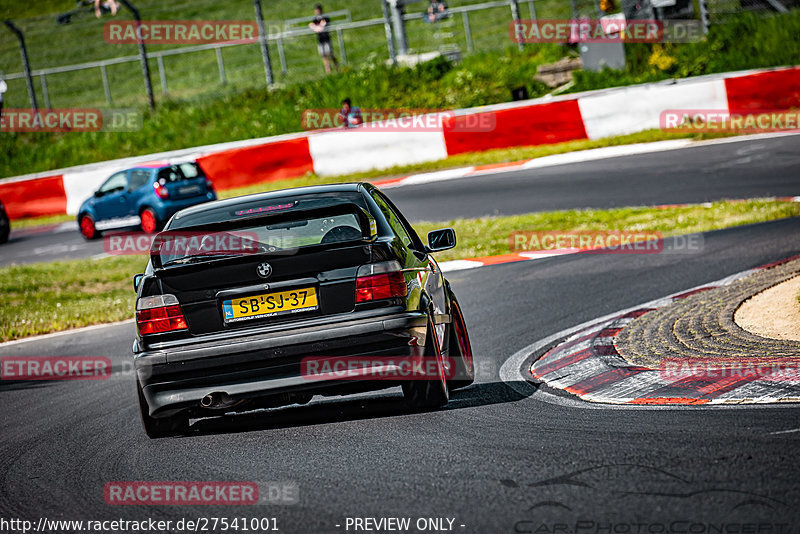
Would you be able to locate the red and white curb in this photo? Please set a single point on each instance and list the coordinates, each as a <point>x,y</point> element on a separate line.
<point>580,156</point>
<point>588,365</point>
<point>553,160</point>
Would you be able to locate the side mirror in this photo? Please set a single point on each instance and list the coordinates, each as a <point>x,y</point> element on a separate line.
<point>98,194</point>
<point>137,280</point>
<point>439,240</point>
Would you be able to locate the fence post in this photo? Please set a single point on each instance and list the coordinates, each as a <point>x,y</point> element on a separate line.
<point>342,51</point>
<point>142,54</point>
<point>532,8</point>
<point>262,37</point>
<point>704,18</point>
<point>44,91</point>
<point>25,63</point>
<point>106,87</point>
<point>162,74</point>
<point>387,26</point>
<point>282,55</point>
<point>467,31</point>
<point>220,65</point>
<point>515,16</point>
<point>399,26</point>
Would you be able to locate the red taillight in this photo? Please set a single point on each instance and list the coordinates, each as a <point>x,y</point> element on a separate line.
<point>380,286</point>
<point>161,190</point>
<point>159,314</point>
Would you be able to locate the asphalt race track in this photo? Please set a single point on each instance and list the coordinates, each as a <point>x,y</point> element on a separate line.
<point>503,457</point>
<point>743,169</point>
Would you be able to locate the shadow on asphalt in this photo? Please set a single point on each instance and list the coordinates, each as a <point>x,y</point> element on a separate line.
<point>327,412</point>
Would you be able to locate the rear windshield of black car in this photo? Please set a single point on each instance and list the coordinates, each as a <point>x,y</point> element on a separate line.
<point>259,236</point>
<point>257,207</point>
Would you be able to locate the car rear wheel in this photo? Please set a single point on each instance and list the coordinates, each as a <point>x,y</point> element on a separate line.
<point>429,394</point>
<point>162,427</point>
<point>459,348</point>
<point>149,221</point>
<point>88,228</point>
<point>5,227</point>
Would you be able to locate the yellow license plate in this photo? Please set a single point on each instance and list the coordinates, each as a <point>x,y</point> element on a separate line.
<point>270,304</point>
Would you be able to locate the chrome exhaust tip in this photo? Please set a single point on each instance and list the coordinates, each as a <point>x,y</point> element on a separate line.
<point>218,399</point>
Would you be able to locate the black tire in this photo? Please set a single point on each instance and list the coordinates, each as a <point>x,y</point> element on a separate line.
<point>424,395</point>
<point>161,427</point>
<point>5,227</point>
<point>459,348</point>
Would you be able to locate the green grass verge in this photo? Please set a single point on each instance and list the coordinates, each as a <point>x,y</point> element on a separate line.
<point>32,222</point>
<point>489,236</point>
<point>49,297</point>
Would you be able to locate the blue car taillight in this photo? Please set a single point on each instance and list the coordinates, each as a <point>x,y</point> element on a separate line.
<point>161,190</point>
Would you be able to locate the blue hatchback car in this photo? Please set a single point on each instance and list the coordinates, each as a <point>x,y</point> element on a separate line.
<point>145,196</point>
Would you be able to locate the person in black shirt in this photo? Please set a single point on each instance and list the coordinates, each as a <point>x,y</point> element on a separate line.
<point>320,25</point>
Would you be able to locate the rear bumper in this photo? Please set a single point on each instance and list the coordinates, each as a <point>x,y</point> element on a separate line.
<point>266,364</point>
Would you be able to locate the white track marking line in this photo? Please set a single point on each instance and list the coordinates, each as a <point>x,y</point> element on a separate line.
<point>792,431</point>
<point>64,333</point>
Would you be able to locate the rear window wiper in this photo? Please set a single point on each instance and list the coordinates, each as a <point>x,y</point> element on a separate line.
<point>198,258</point>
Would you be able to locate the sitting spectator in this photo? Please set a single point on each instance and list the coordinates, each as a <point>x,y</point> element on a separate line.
<point>436,12</point>
<point>102,7</point>
<point>349,115</point>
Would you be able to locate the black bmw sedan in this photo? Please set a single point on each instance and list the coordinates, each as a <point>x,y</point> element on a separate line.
<point>269,299</point>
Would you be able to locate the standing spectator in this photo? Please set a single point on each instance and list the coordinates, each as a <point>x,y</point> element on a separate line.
<point>320,25</point>
<point>3,89</point>
<point>349,115</point>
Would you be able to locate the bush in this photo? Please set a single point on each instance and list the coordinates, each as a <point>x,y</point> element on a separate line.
<point>748,40</point>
